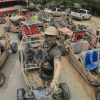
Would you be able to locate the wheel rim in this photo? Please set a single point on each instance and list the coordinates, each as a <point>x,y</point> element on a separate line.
<point>1,79</point>
<point>98,96</point>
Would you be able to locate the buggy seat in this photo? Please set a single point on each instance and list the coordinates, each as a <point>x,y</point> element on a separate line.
<point>29,53</point>
<point>35,29</point>
<point>26,30</point>
<point>78,47</point>
<point>90,59</point>
<point>33,55</point>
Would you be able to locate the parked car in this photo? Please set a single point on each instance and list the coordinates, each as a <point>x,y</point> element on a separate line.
<point>55,12</point>
<point>81,14</point>
<point>30,27</point>
<point>87,61</point>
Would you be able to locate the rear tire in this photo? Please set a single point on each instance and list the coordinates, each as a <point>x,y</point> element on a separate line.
<point>14,47</point>
<point>2,47</point>
<point>20,94</point>
<point>4,14</point>
<point>20,54</point>
<point>97,93</point>
<point>4,21</point>
<point>2,79</point>
<point>19,36</point>
<point>6,28</point>
<point>63,49</point>
<point>65,90</point>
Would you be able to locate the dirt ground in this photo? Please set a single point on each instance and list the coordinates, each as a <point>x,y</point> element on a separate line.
<point>93,23</point>
<point>79,88</point>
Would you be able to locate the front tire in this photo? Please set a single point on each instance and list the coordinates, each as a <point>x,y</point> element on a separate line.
<point>20,54</point>
<point>2,79</point>
<point>6,28</point>
<point>4,21</point>
<point>20,94</point>
<point>65,90</point>
<point>14,47</point>
<point>97,93</point>
<point>4,14</point>
<point>19,36</point>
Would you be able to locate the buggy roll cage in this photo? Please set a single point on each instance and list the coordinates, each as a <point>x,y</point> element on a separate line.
<point>32,36</point>
<point>76,32</point>
<point>23,42</point>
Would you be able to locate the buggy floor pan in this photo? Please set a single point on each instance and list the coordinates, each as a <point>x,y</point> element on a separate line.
<point>40,94</point>
<point>33,78</point>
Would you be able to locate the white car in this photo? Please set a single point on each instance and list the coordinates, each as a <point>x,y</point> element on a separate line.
<point>81,14</point>
<point>55,12</point>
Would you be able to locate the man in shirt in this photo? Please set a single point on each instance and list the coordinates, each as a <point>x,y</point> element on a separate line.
<point>51,56</point>
<point>35,16</point>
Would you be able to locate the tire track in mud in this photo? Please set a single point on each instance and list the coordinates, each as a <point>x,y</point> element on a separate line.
<point>93,23</point>
<point>13,72</point>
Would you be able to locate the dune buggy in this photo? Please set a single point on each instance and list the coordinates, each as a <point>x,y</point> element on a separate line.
<point>29,55</point>
<point>14,24</point>
<point>31,27</point>
<point>87,61</point>
<point>2,20</point>
<point>88,35</point>
<point>25,12</point>
<point>5,46</point>
<point>66,36</point>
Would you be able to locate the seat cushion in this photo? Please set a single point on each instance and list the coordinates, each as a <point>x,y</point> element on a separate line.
<point>26,30</point>
<point>78,47</point>
<point>90,59</point>
<point>35,30</point>
<point>92,66</point>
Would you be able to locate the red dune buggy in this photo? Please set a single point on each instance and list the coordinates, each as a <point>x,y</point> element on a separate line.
<point>31,27</point>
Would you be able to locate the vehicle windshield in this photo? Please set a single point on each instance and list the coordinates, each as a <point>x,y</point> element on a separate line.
<point>59,10</point>
<point>82,11</point>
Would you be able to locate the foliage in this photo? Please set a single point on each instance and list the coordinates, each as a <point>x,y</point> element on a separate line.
<point>70,2</point>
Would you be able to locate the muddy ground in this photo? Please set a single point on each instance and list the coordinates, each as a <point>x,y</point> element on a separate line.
<point>79,88</point>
